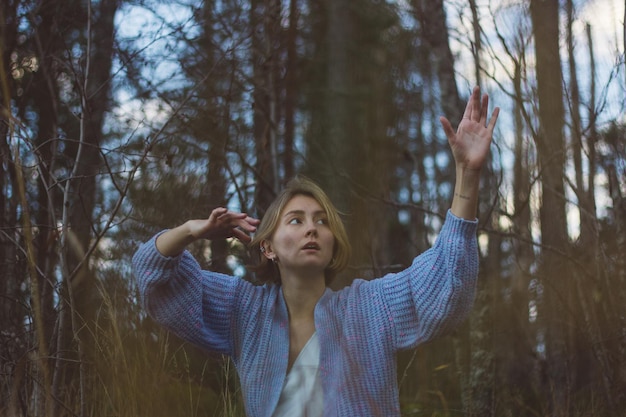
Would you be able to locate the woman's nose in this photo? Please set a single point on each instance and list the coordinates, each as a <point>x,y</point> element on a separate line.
<point>311,229</point>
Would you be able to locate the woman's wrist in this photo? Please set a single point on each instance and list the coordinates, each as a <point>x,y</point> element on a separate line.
<point>174,241</point>
<point>465,199</point>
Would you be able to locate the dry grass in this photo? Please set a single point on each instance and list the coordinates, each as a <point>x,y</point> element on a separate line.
<point>147,372</point>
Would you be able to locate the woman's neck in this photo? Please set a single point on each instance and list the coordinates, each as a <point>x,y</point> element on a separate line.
<point>301,295</point>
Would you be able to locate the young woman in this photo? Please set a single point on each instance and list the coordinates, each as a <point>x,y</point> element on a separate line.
<point>300,348</point>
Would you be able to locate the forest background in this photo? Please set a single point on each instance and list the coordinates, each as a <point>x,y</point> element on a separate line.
<point>123,117</point>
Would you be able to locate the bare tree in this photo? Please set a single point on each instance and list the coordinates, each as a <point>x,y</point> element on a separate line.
<point>266,61</point>
<point>551,152</point>
<point>70,98</point>
<point>291,87</point>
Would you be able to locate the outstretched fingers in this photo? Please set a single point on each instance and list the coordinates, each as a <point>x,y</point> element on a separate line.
<point>484,110</point>
<point>494,118</point>
<point>241,235</point>
<point>447,128</point>
<point>217,213</point>
<point>234,224</point>
<point>245,226</point>
<point>477,110</point>
<point>469,106</point>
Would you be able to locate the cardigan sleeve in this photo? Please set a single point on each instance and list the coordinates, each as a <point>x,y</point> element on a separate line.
<point>435,294</point>
<point>195,304</point>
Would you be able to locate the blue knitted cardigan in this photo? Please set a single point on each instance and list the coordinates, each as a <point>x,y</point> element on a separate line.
<point>360,328</point>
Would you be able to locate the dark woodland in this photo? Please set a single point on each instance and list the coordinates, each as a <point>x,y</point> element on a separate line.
<point>121,118</point>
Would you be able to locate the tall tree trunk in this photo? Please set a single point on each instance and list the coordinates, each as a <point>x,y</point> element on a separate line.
<point>588,229</point>
<point>476,377</point>
<point>45,96</point>
<point>518,372</point>
<point>481,379</point>
<point>264,21</point>
<point>551,155</point>
<point>330,150</point>
<point>79,294</point>
<point>291,88</point>
<point>482,370</point>
<point>12,312</point>
<point>596,352</point>
<point>348,144</point>
<point>432,17</point>
<point>45,100</point>
<point>593,131</point>
<point>477,44</point>
<point>616,281</point>
<point>88,161</point>
<point>213,125</point>
<point>330,158</point>
<point>614,284</point>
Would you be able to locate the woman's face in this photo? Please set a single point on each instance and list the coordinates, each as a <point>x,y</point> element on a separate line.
<point>302,241</point>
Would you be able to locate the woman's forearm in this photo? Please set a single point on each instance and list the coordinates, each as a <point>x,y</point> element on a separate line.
<point>465,200</point>
<point>221,224</point>
<point>174,241</point>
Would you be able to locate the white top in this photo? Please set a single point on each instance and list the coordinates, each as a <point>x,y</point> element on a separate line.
<point>302,394</point>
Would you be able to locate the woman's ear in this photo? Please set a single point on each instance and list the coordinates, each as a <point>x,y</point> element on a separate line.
<point>266,250</point>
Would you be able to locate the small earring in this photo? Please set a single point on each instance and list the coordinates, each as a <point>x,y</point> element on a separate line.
<point>262,249</point>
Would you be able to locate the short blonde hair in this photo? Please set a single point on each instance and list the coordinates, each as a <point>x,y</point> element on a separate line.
<point>265,270</point>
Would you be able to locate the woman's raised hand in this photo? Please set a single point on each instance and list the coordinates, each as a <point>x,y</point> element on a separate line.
<point>222,224</point>
<point>470,143</point>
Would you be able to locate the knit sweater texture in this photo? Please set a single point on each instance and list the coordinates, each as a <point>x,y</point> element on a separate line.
<point>360,328</point>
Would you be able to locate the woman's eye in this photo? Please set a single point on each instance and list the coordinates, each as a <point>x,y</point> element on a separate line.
<point>294,221</point>
<point>322,221</point>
